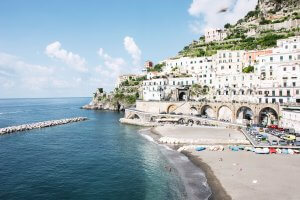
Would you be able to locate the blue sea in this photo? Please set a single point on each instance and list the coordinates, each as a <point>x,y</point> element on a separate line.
<point>95,159</point>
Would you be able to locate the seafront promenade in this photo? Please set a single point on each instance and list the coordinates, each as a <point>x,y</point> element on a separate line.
<point>142,118</point>
<point>27,127</point>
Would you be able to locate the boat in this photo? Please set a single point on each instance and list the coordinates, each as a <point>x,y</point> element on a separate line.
<point>234,148</point>
<point>284,151</point>
<point>262,150</point>
<point>200,148</point>
<point>272,150</point>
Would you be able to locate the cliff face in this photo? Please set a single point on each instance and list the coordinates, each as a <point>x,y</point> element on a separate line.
<point>271,8</point>
<point>123,96</point>
<point>110,101</point>
<point>259,29</point>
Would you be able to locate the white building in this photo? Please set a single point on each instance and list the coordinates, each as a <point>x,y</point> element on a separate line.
<point>291,118</point>
<point>154,90</point>
<point>275,78</point>
<point>214,35</point>
<point>279,73</point>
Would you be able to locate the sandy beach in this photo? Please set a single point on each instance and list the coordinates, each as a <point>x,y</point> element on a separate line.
<point>246,175</point>
<point>240,175</point>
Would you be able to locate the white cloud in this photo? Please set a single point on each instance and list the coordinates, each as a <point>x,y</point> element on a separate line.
<point>132,48</point>
<point>113,66</point>
<point>196,27</point>
<point>54,50</point>
<point>207,11</point>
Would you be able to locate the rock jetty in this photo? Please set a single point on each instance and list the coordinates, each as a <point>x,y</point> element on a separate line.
<point>26,127</point>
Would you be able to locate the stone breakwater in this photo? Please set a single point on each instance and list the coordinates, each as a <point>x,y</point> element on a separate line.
<point>26,127</point>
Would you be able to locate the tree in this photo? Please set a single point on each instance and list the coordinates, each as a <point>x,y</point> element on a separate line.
<point>227,25</point>
<point>248,69</point>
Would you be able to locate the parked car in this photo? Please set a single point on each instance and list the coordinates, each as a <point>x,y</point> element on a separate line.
<point>297,143</point>
<point>172,113</point>
<point>162,113</point>
<point>179,114</point>
<point>273,126</point>
<point>274,142</point>
<point>283,142</point>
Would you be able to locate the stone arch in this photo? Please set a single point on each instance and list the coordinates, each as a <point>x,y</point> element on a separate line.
<point>190,121</point>
<point>171,108</point>
<point>194,110</point>
<point>208,111</point>
<point>244,113</point>
<point>267,116</point>
<point>182,96</point>
<point>181,121</point>
<point>153,119</point>
<point>134,116</point>
<point>225,113</point>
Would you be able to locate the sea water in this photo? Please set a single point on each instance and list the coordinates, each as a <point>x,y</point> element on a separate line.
<point>95,159</point>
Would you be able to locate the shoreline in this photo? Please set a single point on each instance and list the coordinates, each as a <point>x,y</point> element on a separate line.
<point>236,175</point>
<point>217,189</point>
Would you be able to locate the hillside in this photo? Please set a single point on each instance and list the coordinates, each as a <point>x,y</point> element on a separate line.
<point>259,29</point>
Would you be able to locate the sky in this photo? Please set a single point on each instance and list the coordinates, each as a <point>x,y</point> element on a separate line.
<point>69,48</point>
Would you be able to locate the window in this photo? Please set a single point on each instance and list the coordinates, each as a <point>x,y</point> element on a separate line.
<point>271,73</point>
<point>280,100</point>
<point>280,93</point>
<point>290,57</point>
<point>295,46</point>
<point>284,84</point>
<point>294,68</point>
<point>271,59</point>
<point>229,66</point>
<point>286,46</point>
<point>281,58</point>
<point>222,67</point>
<point>294,84</point>
<point>273,93</point>
<point>288,93</point>
<point>273,100</point>
<point>284,69</point>
<point>297,92</point>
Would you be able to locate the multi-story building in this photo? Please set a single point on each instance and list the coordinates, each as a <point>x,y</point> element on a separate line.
<point>250,57</point>
<point>291,118</point>
<point>214,35</point>
<point>154,89</point>
<point>279,73</point>
<point>148,64</point>
<point>274,77</point>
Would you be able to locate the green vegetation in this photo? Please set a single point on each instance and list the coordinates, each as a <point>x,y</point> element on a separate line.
<point>128,99</point>
<point>197,89</point>
<point>248,69</point>
<point>266,40</point>
<point>227,25</point>
<point>156,68</point>
<point>133,81</point>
